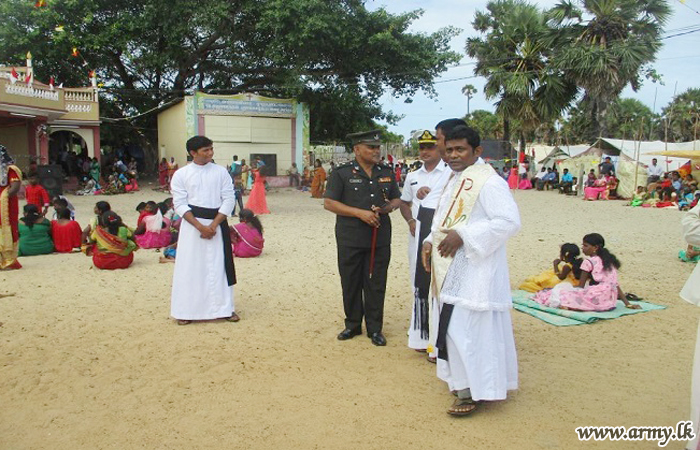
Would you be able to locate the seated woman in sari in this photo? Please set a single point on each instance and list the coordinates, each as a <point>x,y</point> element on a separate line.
<point>152,230</point>
<point>112,245</point>
<point>247,236</point>
<point>598,190</point>
<point>34,233</point>
<point>66,233</point>
<point>639,196</point>
<point>612,183</point>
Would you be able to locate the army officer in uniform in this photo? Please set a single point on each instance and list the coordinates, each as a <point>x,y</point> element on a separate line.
<point>362,193</point>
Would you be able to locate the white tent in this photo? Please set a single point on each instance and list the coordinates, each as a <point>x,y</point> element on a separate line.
<point>643,151</point>
<point>630,173</point>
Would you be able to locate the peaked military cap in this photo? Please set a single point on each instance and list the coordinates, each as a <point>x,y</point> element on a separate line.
<point>373,137</point>
<point>427,138</point>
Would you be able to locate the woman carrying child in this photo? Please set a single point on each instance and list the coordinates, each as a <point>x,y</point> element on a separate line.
<point>66,232</point>
<point>566,268</point>
<point>113,247</point>
<point>247,236</point>
<point>152,231</point>
<point>600,272</point>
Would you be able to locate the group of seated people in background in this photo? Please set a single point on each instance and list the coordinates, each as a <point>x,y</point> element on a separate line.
<point>108,240</point>
<point>581,284</point>
<point>122,179</point>
<point>669,190</point>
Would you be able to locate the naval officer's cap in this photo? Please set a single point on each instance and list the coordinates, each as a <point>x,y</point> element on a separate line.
<point>427,138</point>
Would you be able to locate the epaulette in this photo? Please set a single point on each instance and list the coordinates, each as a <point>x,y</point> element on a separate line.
<point>343,165</point>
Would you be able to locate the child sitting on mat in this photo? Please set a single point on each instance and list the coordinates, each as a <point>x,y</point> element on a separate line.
<point>566,268</point>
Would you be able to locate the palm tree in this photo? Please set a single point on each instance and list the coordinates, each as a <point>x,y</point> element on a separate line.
<point>514,57</point>
<point>469,91</point>
<point>607,45</point>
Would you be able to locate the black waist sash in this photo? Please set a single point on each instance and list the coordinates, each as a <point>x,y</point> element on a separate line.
<point>445,316</point>
<point>211,213</point>
<point>421,284</point>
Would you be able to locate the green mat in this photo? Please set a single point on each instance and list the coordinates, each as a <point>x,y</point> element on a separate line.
<point>565,318</point>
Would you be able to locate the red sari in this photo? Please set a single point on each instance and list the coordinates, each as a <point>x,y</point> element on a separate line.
<point>9,222</point>
<point>257,202</point>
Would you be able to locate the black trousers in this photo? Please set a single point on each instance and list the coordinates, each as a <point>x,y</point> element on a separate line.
<point>362,295</point>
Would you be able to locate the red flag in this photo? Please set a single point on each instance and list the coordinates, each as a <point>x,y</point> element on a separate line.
<point>51,83</point>
<point>13,76</point>
<point>28,78</point>
<point>685,169</point>
<point>521,157</point>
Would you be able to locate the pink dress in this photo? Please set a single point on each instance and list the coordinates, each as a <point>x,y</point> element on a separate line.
<point>597,297</point>
<point>599,188</point>
<point>248,243</point>
<point>525,184</point>
<point>156,236</point>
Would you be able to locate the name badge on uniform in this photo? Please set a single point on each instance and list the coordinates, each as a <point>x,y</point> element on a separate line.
<point>385,180</point>
<point>414,183</point>
<point>355,180</point>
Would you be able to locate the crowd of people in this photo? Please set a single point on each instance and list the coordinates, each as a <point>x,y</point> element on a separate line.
<point>459,212</point>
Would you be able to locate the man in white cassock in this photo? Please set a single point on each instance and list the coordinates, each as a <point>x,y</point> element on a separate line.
<point>204,274</point>
<point>466,255</point>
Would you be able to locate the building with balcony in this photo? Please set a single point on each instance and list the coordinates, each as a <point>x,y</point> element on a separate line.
<point>43,123</point>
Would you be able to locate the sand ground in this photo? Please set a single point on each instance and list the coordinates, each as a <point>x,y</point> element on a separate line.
<point>90,359</point>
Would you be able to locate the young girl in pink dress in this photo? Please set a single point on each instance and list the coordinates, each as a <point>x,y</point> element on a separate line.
<point>246,237</point>
<point>152,231</point>
<point>603,289</point>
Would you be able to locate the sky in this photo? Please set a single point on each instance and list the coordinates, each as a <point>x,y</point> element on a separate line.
<point>678,62</point>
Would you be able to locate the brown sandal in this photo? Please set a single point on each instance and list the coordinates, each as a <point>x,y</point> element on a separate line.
<point>233,318</point>
<point>462,407</point>
<point>183,322</point>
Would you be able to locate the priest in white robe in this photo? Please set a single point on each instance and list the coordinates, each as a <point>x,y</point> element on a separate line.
<point>466,254</point>
<point>203,279</point>
<point>691,294</point>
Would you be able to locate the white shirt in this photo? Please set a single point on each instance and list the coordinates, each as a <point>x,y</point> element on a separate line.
<point>655,171</point>
<point>421,178</point>
<point>541,174</point>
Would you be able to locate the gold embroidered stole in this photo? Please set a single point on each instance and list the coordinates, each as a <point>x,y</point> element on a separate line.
<point>464,195</point>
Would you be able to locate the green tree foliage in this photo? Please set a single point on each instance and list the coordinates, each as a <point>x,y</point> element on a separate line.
<point>683,117</point>
<point>513,54</point>
<point>337,56</point>
<point>606,45</point>
<point>627,118</point>
<point>488,124</point>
